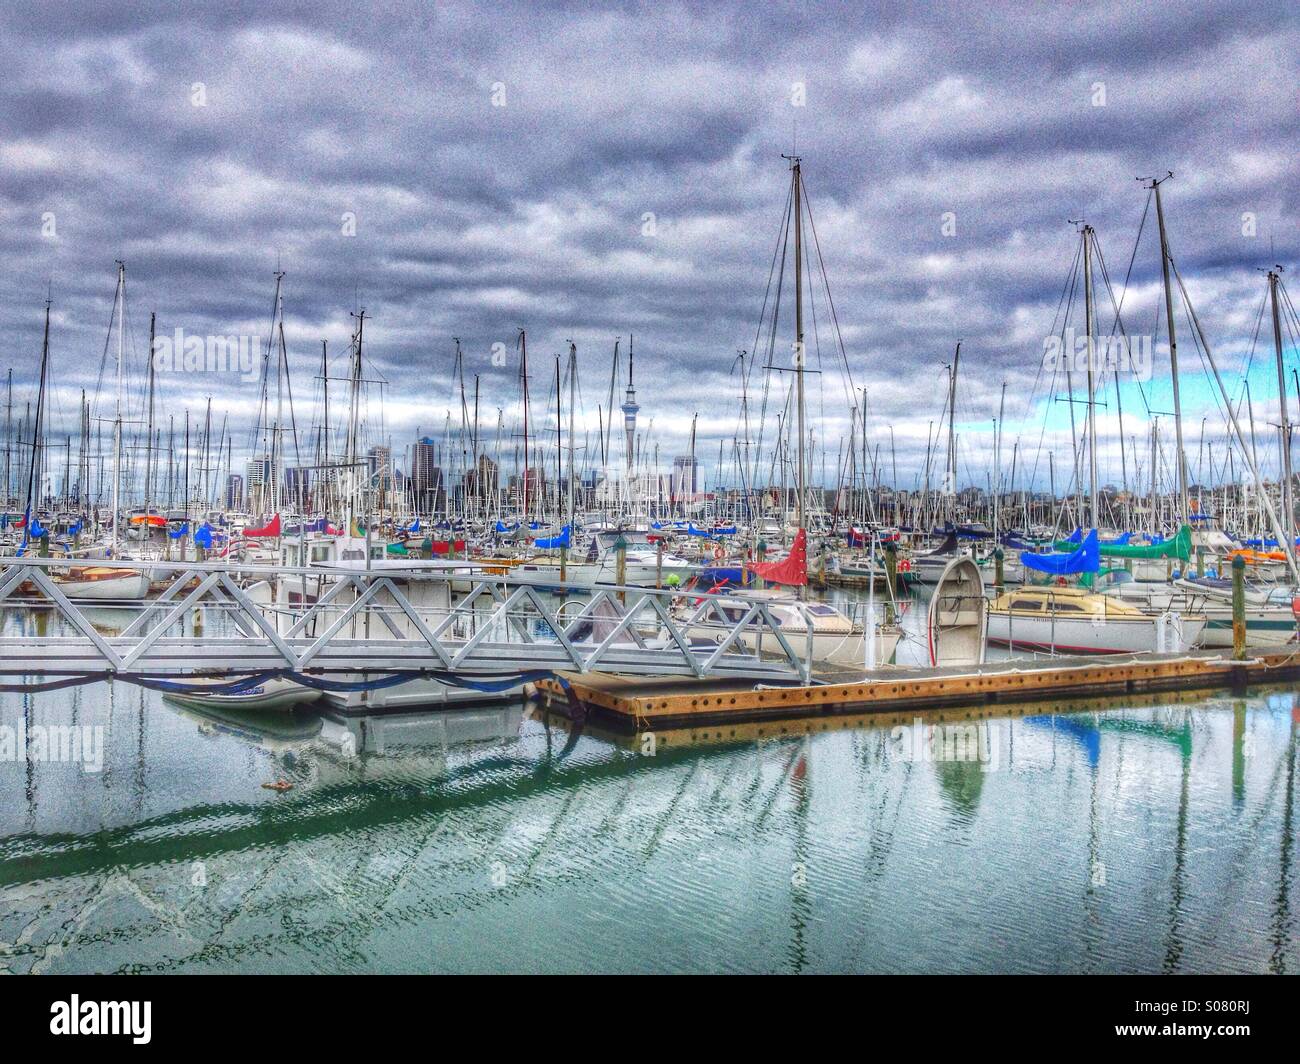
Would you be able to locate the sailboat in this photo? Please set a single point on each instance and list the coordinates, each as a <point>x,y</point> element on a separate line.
<point>818,628</point>
<point>110,583</point>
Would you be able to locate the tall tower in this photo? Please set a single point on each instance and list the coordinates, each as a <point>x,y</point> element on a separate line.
<point>629,411</point>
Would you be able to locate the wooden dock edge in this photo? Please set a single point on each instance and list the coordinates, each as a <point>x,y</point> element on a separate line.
<point>701,702</point>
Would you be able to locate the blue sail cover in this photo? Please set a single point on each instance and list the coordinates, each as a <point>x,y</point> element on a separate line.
<point>181,532</point>
<point>506,528</point>
<point>203,536</point>
<point>1087,559</point>
<point>1076,536</point>
<point>1119,541</point>
<point>562,540</point>
<point>1087,735</point>
<point>710,534</point>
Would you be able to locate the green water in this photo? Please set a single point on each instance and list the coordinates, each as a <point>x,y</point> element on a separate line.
<point>1137,836</point>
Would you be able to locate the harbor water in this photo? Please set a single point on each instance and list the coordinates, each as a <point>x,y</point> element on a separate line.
<point>1146,835</point>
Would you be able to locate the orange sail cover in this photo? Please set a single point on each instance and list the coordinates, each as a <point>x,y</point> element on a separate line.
<point>792,569</point>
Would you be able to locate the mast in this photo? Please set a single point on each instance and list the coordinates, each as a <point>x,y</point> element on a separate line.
<point>353,409</point>
<point>1181,458</point>
<point>148,446</point>
<point>1155,458</point>
<point>36,429</point>
<point>479,489</point>
<point>117,419</point>
<point>559,440</point>
<point>796,170</point>
<point>950,488</point>
<point>523,378</point>
<point>573,374</point>
<point>325,425</point>
<point>1284,427</point>
<point>997,464</point>
<point>9,412</point>
<point>1089,315</point>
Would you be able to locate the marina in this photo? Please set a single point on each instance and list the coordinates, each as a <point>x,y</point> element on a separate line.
<point>577,490</point>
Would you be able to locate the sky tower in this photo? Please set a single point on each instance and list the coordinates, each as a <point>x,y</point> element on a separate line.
<point>629,410</point>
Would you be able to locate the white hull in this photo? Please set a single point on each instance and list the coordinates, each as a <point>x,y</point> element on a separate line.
<point>845,649</point>
<point>1088,635</point>
<point>273,696</point>
<point>587,574</point>
<point>1267,625</point>
<point>130,587</point>
<point>415,694</point>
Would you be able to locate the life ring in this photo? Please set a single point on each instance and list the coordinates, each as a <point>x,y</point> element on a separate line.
<point>718,554</point>
<point>905,566</point>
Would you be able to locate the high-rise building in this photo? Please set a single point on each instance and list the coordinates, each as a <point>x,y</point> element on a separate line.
<point>297,485</point>
<point>483,481</point>
<point>426,475</point>
<point>261,483</point>
<point>380,465</point>
<point>234,492</point>
<point>686,477</point>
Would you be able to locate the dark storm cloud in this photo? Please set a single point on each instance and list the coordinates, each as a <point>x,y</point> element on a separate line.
<point>474,219</point>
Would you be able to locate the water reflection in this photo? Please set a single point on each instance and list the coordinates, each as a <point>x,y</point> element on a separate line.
<point>1154,833</point>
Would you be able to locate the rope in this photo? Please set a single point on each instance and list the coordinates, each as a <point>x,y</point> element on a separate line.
<point>319,683</point>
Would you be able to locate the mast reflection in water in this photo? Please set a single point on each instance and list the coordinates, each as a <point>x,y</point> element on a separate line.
<point>1148,836</point>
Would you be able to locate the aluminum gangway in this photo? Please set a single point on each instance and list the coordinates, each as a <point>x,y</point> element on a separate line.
<point>449,622</point>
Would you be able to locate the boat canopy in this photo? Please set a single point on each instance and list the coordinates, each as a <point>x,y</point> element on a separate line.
<point>552,542</point>
<point>1179,547</point>
<point>1084,559</point>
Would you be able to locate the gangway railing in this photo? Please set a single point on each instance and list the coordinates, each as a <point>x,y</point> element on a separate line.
<point>217,619</point>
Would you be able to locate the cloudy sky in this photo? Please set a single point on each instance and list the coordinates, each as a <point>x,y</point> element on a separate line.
<point>467,170</point>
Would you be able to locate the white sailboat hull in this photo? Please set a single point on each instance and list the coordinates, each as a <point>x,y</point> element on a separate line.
<point>128,586</point>
<point>1089,635</point>
<point>844,649</point>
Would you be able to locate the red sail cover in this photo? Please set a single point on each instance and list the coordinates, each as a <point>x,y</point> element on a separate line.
<point>442,546</point>
<point>790,570</point>
<point>271,529</point>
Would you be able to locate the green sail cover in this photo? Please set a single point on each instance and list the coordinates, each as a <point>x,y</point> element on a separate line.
<point>1088,579</point>
<point>1178,547</point>
<point>397,548</point>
